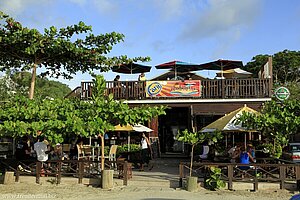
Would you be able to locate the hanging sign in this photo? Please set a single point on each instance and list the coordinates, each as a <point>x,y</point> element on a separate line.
<point>187,88</point>
<point>282,93</point>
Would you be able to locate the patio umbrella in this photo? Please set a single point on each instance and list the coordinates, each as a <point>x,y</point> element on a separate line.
<point>234,73</point>
<point>129,128</point>
<point>131,68</point>
<point>229,122</point>
<point>178,66</point>
<point>221,65</point>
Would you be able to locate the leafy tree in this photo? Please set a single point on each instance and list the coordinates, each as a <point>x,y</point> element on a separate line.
<point>194,138</point>
<point>65,118</point>
<point>256,63</point>
<point>277,122</point>
<point>61,52</point>
<point>17,84</point>
<point>286,65</point>
<point>45,88</point>
<point>103,113</point>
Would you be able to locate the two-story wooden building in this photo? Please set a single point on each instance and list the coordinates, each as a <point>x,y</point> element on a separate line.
<point>193,103</point>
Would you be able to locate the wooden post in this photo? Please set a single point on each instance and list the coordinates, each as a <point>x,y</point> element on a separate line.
<point>230,177</point>
<point>38,172</point>
<point>223,87</point>
<point>17,175</point>
<point>282,176</point>
<point>181,174</point>
<point>298,176</point>
<point>255,184</point>
<point>59,172</point>
<point>80,171</point>
<point>125,173</point>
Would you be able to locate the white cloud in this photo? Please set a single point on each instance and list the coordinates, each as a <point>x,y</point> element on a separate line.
<point>17,7</point>
<point>170,8</point>
<point>221,17</point>
<point>106,6</point>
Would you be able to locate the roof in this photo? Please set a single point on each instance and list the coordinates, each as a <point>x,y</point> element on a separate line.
<point>227,122</point>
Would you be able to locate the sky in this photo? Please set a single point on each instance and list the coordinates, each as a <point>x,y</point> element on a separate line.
<point>195,31</point>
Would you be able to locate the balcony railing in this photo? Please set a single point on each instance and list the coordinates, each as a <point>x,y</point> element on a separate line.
<point>206,89</point>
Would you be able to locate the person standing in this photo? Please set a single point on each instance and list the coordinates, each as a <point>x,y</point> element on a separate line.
<point>41,149</point>
<point>145,151</point>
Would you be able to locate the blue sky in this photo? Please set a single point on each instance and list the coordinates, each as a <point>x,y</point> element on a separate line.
<point>195,31</point>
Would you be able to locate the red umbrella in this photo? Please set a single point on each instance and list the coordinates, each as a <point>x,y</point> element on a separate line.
<point>131,68</point>
<point>178,66</point>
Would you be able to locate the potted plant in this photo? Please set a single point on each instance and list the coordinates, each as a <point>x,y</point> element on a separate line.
<point>194,138</point>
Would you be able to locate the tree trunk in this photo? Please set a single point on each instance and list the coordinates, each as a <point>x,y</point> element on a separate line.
<point>32,84</point>
<point>192,158</point>
<point>102,152</point>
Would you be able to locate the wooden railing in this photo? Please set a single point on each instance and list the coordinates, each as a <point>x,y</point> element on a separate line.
<point>210,89</point>
<point>61,168</point>
<point>251,173</point>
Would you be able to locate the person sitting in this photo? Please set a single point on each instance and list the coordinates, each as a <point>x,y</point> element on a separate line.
<point>56,153</point>
<point>142,77</point>
<point>245,158</point>
<point>251,150</point>
<point>205,152</point>
<point>23,150</point>
<point>116,81</point>
<point>234,153</point>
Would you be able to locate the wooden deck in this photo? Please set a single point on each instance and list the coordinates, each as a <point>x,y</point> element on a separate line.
<point>210,89</point>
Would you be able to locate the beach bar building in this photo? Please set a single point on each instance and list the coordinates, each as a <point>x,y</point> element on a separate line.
<point>194,101</point>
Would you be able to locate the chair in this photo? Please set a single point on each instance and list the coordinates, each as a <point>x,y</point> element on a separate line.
<point>66,148</point>
<point>84,151</point>
<point>113,156</point>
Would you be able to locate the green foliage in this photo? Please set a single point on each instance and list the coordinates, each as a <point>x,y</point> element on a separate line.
<point>214,181</point>
<point>62,52</point>
<point>62,118</point>
<point>276,122</point>
<point>256,63</point>
<point>294,88</point>
<point>194,138</point>
<point>285,65</point>
<point>124,148</point>
<point>17,84</point>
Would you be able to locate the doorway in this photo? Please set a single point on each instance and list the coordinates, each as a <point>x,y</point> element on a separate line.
<point>176,119</point>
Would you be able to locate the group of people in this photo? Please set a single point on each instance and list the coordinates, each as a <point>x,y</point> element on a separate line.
<point>141,77</point>
<point>242,154</point>
<point>40,150</point>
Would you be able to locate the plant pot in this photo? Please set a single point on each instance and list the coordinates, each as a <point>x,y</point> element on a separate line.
<point>192,184</point>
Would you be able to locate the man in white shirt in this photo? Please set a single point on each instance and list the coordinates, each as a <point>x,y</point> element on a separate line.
<point>41,149</point>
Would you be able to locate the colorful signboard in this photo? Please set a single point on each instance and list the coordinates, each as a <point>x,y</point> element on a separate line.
<point>187,88</point>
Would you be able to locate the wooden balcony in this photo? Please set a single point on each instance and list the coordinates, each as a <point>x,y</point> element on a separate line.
<point>208,89</point>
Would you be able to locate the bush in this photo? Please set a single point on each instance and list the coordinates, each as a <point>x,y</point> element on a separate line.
<point>214,181</point>
<point>124,148</point>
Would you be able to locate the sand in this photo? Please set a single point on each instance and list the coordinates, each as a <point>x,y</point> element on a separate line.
<point>71,190</point>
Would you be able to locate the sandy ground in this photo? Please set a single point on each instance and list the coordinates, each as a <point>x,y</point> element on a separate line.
<point>160,183</point>
<point>46,190</point>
